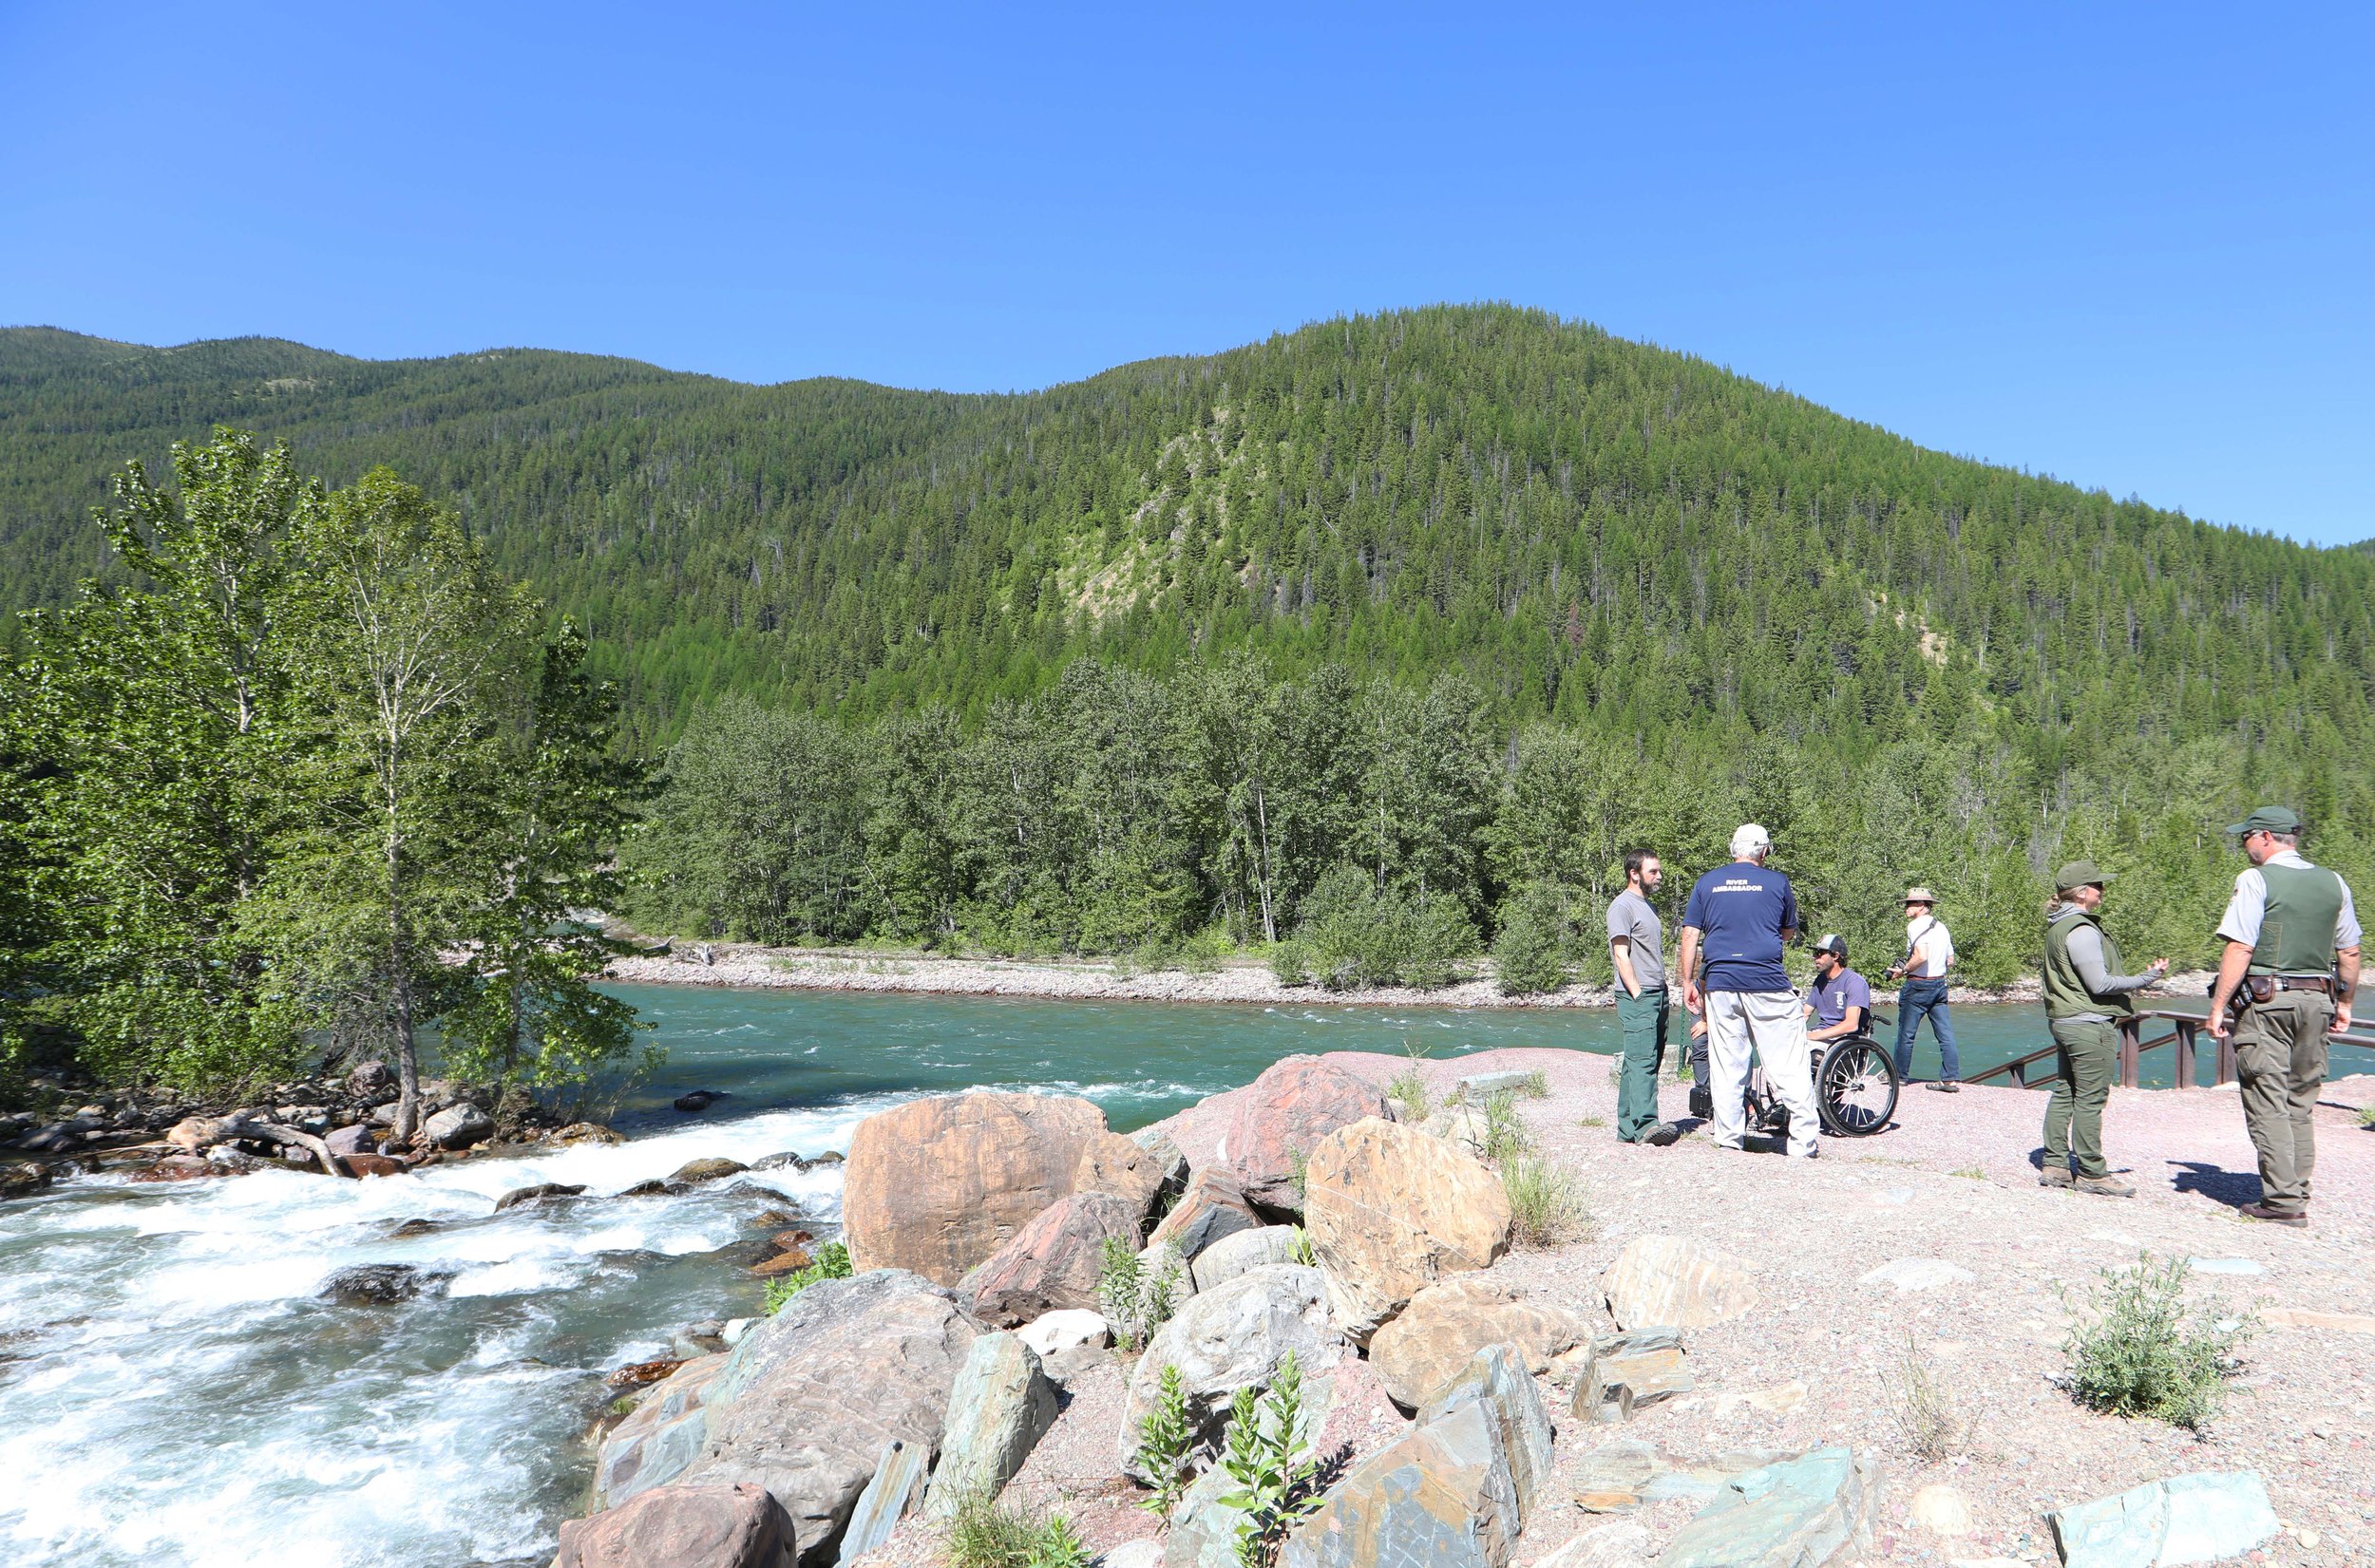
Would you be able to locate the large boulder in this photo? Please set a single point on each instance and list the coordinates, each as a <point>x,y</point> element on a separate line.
<point>936,1185</point>
<point>1232,1338</point>
<point>1674,1282</point>
<point>1443,1496</point>
<point>736,1526</point>
<point>1003,1405</point>
<point>1279,1118</point>
<point>1129,1170</point>
<point>2185,1519</point>
<point>1391,1211</point>
<point>660,1437</point>
<point>457,1128</point>
<point>808,1400</point>
<point>1213,1205</point>
<point>1800,1513</point>
<point>1496,1378</point>
<point>1241,1252</point>
<point>1052,1264</point>
<point>1429,1341</point>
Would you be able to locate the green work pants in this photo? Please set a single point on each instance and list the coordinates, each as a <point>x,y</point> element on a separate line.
<point>1643,1019</point>
<point>2083,1067</point>
<point>2280,1059</point>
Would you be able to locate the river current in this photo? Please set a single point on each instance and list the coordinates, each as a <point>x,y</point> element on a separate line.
<point>174,1390</point>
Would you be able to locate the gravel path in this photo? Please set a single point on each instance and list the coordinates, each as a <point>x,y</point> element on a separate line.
<point>1818,1358</point>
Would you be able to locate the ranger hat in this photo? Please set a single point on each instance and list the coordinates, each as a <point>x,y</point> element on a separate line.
<point>1920,896</point>
<point>2078,874</point>
<point>1835,943</point>
<point>2269,819</point>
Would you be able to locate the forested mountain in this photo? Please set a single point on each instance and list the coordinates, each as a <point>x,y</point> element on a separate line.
<point>1937,666</point>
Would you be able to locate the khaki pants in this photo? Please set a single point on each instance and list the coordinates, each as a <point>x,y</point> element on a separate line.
<point>2083,1067</point>
<point>1773,1025</point>
<point>2280,1057</point>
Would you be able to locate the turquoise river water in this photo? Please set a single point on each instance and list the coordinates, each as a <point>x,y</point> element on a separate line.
<point>173,1390</point>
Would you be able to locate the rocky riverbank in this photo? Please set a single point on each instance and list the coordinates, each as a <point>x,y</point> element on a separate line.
<point>1236,980</point>
<point>347,1118</point>
<point>1718,1358</point>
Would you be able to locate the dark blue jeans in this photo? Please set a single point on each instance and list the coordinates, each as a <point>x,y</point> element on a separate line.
<point>1919,997</point>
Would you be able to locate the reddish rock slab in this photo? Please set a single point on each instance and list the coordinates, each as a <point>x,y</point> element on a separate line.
<point>1214,1206</point>
<point>936,1185</point>
<point>1274,1127</point>
<point>1052,1263</point>
<point>734,1527</point>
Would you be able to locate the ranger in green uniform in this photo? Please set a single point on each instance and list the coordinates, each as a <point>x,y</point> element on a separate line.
<point>2289,970</point>
<point>2086,999</point>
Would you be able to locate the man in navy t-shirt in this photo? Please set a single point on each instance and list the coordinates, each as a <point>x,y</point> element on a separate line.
<point>1738,917</point>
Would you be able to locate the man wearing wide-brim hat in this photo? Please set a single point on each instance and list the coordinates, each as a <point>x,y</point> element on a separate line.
<point>2086,1001</point>
<point>2289,970</point>
<point>1929,955</point>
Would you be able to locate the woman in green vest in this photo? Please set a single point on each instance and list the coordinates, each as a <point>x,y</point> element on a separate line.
<point>2086,1000</point>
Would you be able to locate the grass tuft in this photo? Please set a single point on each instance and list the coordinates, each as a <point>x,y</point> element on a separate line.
<point>2138,1348</point>
<point>1923,1409</point>
<point>1505,1134</point>
<point>985,1534</point>
<point>1593,1122</point>
<point>1534,1086</point>
<point>1972,1172</point>
<point>1546,1203</point>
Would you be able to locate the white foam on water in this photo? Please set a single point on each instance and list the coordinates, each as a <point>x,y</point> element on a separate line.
<point>184,1397</point>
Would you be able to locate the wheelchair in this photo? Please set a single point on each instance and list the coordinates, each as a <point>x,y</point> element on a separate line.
<point>1856,1089</point>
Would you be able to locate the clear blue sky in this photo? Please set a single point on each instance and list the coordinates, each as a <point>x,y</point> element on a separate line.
<point>2134,247</point>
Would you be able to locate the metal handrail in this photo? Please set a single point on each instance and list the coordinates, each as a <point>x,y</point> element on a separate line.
<point>2185,1032</point>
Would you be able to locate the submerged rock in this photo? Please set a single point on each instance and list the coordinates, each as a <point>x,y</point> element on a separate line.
<point>699,1101</point>
<point>785,1161</point>
<point>716,1169</point>
<point>22,1180</point>
<point>541,1193</point>
<point>383,1284</point>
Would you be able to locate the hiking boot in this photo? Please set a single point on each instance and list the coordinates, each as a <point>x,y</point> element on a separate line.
<point>2054,1176</point>
<point>2297,1221</point>
<point>1661,1135</point>
<point>1702,1103</point>
<point>1944,1085</point>
<point>2104,1186</point>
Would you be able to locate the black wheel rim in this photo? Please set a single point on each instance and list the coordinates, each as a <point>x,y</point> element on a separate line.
<point>1858,1088</point>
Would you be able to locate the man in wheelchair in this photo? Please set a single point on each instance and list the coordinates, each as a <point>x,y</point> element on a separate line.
<point>1838,1004</point>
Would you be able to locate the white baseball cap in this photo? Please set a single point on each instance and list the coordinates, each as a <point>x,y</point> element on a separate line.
<point>1748,838</point>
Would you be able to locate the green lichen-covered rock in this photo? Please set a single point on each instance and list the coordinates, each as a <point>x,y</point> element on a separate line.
<point>2185,1519</point>
<point>1443,1496</point>
<point>1802,1513</point>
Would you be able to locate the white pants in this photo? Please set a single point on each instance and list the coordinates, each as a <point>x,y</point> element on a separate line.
<point>1774,1023</point>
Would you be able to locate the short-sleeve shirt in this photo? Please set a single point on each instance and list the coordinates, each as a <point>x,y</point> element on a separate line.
<point>1740,912</point>
<point>1631,918</point>
<point>1833,997</point>
<point>2249,906</point>
<point>1928,948</point>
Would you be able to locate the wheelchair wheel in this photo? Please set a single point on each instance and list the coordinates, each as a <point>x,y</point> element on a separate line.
<point>1855,1086</point>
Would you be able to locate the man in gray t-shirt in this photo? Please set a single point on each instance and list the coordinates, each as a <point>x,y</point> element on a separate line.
<point>1637,948</point>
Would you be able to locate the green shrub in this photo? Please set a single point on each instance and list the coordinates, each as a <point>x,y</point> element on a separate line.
<point>1166,1444</point>
<point>983,1534</point>
<point>1290,962</point>
<point>832,1262</point>
<point>1547,1205</point>
<point>2135,1348</point>
<point>1354,935</point>
<point>1134,1300</point>
<point>1534,1086</point>
<point>2367,1117</point>
<point>1530,951</point>
<point>1265,1453</point>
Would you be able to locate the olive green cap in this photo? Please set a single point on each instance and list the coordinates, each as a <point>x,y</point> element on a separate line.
<point>2269,819</point>
<point>2078,874</point>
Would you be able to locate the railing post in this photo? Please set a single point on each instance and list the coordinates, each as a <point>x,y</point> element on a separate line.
<point>2129,1030</point>
<point>2226,1059</point>
<point>2185,1053</point>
